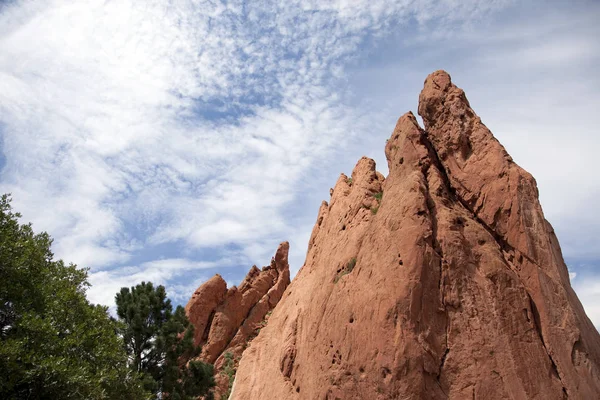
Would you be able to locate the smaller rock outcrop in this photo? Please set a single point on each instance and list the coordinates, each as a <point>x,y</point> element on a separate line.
<point>226,320</point>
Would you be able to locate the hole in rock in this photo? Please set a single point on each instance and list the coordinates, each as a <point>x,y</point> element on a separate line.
<point>459,221</point>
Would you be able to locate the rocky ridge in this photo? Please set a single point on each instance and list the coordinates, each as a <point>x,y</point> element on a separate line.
<point>226,320</point>
<point>442,280</point>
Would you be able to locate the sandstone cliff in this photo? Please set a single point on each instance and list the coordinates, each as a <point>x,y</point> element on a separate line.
<point>226,320</point>
<point>441,281</point>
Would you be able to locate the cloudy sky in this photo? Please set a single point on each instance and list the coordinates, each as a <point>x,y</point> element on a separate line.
<point>169,140</point>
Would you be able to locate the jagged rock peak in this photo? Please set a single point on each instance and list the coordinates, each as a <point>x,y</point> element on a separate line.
<point>226,320</point>
<point>441,281</point>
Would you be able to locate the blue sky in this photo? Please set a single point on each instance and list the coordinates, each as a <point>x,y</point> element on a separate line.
<point>170,140</point>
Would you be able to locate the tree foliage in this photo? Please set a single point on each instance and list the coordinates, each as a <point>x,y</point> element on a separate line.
<point>54,344</point>
<point>144,310</point>
<point>160,343</point>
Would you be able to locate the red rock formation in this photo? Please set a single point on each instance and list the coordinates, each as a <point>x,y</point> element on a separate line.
<point>226,320</point>
<point>441,281</point>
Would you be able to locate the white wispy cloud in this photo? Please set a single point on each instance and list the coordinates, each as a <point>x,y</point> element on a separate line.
<point>108,283</point>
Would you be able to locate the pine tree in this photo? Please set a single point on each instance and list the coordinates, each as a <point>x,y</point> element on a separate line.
<point>160,343</point>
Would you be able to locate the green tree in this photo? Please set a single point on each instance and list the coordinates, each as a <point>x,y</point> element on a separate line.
<point>160,343</point>
<point>54,344</point>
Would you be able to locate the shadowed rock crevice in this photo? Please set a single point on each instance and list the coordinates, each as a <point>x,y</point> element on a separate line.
<point>442,362</point>
<point>207,328</point>
<point>459,289</point>
<point>453,194</point>
<point>538,328</point>
<point>427,165</point>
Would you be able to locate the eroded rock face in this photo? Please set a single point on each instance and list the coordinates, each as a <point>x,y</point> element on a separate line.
<point>226,320</point>
<point>441,281</point>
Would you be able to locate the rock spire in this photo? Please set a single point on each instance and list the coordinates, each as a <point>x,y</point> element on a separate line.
<point>441,281</point>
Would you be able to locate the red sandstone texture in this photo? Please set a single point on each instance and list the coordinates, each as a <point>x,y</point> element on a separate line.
<point>441,281</point>
<point>226,320</point>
